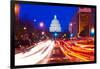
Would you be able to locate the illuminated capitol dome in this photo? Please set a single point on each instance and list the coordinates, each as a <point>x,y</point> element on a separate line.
<point>55,25</point>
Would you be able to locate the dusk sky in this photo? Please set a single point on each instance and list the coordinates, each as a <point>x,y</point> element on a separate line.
<point>46,14</point>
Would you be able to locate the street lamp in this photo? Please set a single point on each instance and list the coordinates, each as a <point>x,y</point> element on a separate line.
<point>41,24</point>
<point>71,24</point>
<point>25,28</point>
<point>34,20</point>
<point>43,33</point>
<point>55,34</point>
<point>92,31</point>
<point>71,35</point>
<point>16,9</point>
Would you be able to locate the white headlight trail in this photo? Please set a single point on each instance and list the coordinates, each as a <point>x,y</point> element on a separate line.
<point>35,55</point>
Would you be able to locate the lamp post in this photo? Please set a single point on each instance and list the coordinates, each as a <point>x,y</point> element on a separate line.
<point>17,9</point>
<point>43,33</point>
<point>42,29</point>
<point>92,32</point>
<point>41,24</point>
<point>71,24</point>
<point>55,35</point>
<point>71,35</point>
<point>25,28</point>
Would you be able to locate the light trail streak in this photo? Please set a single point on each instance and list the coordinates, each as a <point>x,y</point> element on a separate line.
<point>81,56</point>
<point>79,48</point>
<point>69,53</point>
<point>37,57</point>
<point>64,52</point>
<point>47,53</point>
<point>38,47</point>
<point>85,46</point>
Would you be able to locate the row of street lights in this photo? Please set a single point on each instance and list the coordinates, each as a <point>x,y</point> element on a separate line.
<point>41,25</point>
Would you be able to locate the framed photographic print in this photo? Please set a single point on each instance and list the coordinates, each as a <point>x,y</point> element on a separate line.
<point>50,34</point>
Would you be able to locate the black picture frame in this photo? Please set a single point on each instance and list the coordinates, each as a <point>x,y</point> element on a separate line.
<point>12,64</point>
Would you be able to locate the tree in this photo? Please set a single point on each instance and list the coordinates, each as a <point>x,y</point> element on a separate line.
<point>85,31</point>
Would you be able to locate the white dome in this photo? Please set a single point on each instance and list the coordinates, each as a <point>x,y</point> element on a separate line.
<point>55,25</point>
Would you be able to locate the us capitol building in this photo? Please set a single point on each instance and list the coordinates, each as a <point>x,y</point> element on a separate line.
<point>55,25</point>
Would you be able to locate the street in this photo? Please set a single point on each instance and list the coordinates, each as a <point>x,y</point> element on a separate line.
<point>57,51</point>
